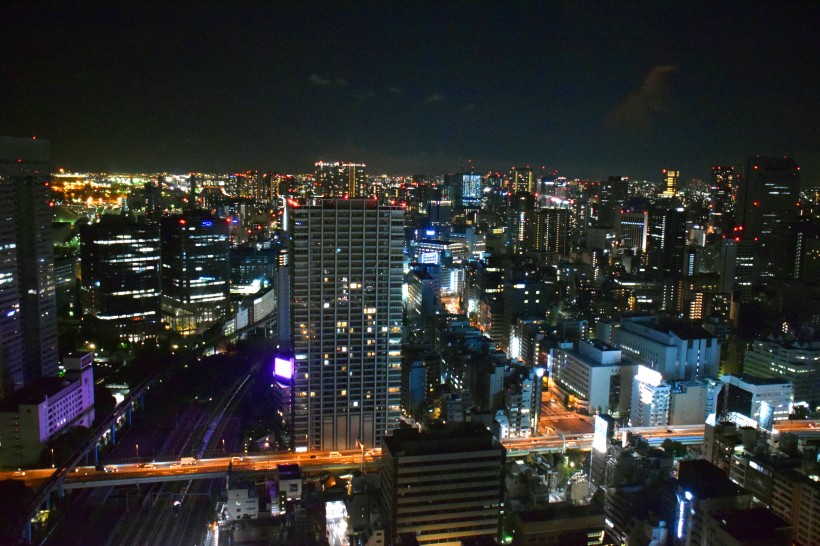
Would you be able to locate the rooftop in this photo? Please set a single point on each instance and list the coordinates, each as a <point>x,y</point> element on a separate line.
<point>34,393</point>
<point>754,524</point>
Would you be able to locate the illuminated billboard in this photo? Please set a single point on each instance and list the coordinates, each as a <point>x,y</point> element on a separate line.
<point>283,370</point>
<point>599,439</point>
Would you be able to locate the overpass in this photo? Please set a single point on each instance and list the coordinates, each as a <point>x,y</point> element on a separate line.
<point>82,477</point>
<point>55,480</point>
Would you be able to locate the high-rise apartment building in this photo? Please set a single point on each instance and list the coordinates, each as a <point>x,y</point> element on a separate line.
<point>195,270</point>
<point>524,180</point>
<point>341,179</point>
<point>346,296</point>
<point>549,232</point>
<point>28,302</point>
<point>120,291</point>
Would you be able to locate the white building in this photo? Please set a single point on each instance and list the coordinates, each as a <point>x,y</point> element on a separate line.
<point>679,351</point>
<point>595,377</point>
<point>243,502</point>
<point>787,359</point>
<point>650,399</point>
<point>45,409</point>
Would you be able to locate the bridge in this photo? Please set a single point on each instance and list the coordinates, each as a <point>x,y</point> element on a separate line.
<point>82,477</point>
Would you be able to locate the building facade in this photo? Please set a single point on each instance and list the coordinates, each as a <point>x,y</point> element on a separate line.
<point>120,289</point>
<point>444,485</point>
<point>28,301</point>
<point>195,270</point>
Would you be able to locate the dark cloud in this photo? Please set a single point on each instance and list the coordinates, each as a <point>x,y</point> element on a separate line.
<point>394,91</point>
<point>316,79</point>
<point>637,111</point>
<point>435,97</point>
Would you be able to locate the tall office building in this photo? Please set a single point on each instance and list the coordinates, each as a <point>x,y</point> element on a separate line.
<point>768,196</point>
<point>28,322</point>
<point>670,182</point>
<point>519,215</point>
<point>443,486</point>
<point>341,179</point>
<point>722,189</point>
<point>195,270</point>
<point>120,291</point>
<point>633,229</point>
<point>666,241</point>
<point>346,298</point>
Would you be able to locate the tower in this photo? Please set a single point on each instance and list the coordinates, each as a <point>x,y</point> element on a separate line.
<point>346,299</point>
<point>28,301</point>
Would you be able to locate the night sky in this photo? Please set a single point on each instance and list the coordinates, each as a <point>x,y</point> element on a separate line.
<point>587,89</point>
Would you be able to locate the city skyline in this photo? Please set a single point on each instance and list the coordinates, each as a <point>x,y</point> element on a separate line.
<point>588,90</point>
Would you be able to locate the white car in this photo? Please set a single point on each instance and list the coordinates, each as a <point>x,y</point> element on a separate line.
<point>111,469</point>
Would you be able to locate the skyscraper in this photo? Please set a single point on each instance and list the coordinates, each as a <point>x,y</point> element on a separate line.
<point>121,278</point>
<point>341,179</point>
<point>195,269</point>
<point>346,297</point>
<point>523,180</point>
<point>768,196</point>
<point>670,180</point>
<point>666,240</point>
<point>28,327</point>
<point>722,190</point>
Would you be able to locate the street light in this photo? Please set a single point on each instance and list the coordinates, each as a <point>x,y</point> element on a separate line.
<point>52,457</point>
<point>138,451</point>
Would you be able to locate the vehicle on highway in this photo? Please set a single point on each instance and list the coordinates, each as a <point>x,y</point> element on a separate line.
<point>237,459</point>
<point>175,465</point>
<point>335,454</point>
<point>147,465</point>
<point>313,456</point>
<point>19,473</point>
<point>187,461</point>
<point>110,468</point>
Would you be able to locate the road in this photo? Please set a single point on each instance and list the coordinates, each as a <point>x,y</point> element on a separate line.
<point>83,476</point>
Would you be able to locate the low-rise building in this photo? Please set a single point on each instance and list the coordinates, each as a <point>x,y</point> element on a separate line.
<point>559,526</point>
<point>761,399</point>
<point>789,360</point>
<point>43,410</point>
<point>595,377</point>
<point>243,502</point>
